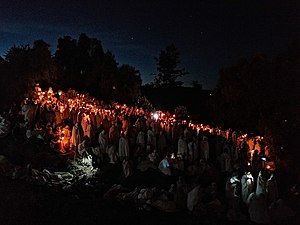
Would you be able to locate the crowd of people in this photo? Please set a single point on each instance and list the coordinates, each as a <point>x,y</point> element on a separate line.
<point>207,162</point>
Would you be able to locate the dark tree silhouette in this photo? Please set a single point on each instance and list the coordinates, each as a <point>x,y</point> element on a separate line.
<point>196,84</point>
<point>260,95</point>
<point>80,64</point>
<point>129,83</point>
<point>23,67</point>
<point>168,70</point>
<point>87,67</point>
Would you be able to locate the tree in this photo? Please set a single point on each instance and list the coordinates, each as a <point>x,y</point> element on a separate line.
<point>196,85</point>
<point>129,83</point>
<point>168,70</point>
<point>23,67</point>
<point>44,70</point>
<point>259,96</point>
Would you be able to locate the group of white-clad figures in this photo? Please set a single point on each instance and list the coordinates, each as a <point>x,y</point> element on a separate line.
<point>119,143</point>
<point>260,195</point>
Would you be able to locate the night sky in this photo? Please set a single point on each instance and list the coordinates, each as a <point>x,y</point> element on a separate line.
<point>209,34</point>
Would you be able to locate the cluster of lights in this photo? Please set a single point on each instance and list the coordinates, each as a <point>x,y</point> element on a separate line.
<point>84,103</point>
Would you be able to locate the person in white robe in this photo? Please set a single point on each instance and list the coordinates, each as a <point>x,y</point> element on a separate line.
<point>193,150</point>
<point>261,184</point>
<point>225,162</point>
<point>205,148</point>
<point>76,136</point>
<point>153,156</point>
<point>247,182</point>
<point>113,134</point>
<point>258,209</point>
<point>123,148</point>
<point>82,147</point>
<point>232,188</point>
<point>271,189</point>
<point>127,168</point>
<point>102,142</point>
<point>111,151</point>
<point>151,139</point>
<point>193,197</point>
<point>28,112</point>
<point>140,140</point>
<point>182,147</point>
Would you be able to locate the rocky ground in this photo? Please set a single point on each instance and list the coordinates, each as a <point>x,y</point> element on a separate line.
<point>24,202</point>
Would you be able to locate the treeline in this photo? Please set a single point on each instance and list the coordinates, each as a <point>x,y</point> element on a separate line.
<point>81,64</point>
<point>261,95</point>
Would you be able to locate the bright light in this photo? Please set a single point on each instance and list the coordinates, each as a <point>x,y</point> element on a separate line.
<point>155,116</point>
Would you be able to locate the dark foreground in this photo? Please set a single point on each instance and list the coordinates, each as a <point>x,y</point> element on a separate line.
<point>25,204</point>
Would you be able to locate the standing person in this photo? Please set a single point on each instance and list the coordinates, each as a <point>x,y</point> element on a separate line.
<point>182,147</point>
<point>161,143</point>
<point>151,139</point>
<point>111,151</point>
<point>258,209</point>
<point>76,136</point>
<point>140,142</point>
<point>193,150</point>
<point>205,148</point>
<point>123,147</point>
<point>261,183</point>
<point>247,182</point>
<point>114,134</point>
<point>225,162</point>
<point>102,144</point>
<point>271,189</point>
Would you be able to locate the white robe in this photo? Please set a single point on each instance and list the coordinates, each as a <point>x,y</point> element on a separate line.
<point>225,162</point>
<point>247,185</point>
<point>123,147</point>
<point>81,148</point>
<point>205,149</point>
<point>151,140</point>
<point>258,210</point>
<point>193,198</point>
<point>231,187</point>
<point>112,154</point>
<point>193,150</point>
<point>28,112</point>
<point>126,168</point>
<point>102,142</point>
<point>140,140</point>
<point>73,140</point>
<point>271,189</point>
<point>182,147</point>
<point>261,185</point>
<point>86,126</point>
